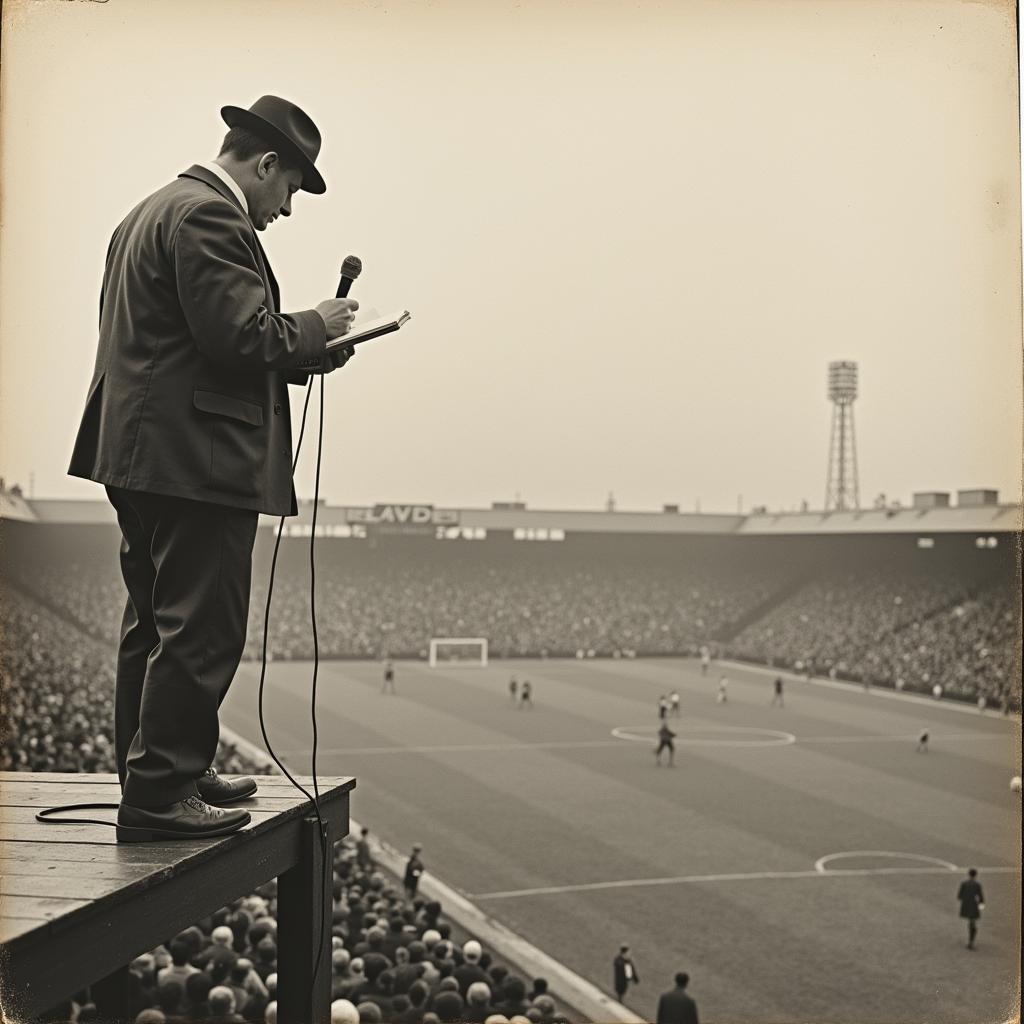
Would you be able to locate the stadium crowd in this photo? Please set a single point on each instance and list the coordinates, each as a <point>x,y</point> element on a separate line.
<point>393,956</point>
<point>889,627</point>
<point>393,959</point>
<point>56,695</point>
<point>895,622</point>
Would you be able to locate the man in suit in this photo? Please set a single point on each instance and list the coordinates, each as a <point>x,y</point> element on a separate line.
<point>187,425</point>
<point>676,1006</point>
<point>972,902</point>
<point>624,972</point>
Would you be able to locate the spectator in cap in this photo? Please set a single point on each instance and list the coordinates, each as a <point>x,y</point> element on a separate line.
<point>496,977</point>
<point>394,938</point>
<point>220,950</point>
<point>449,1007</point>
<point>151,1015</point>
<point>500,1018</point>
<point>431,937</point>
<point>540,988</point>
<point>222,1005</point>
<point>266,958</point>
<point>513,997</point>
<point>470,971</point>
<point>354,985</point>
<point>417,995</point>
<point>270,1013</point>
<point>197,993</point>
<point>169,997</point>
<point>369,1012</point>
<point>677,1006</point>
<point>344,1012</point>
<point>546,1005</point>
<point>405,972</point>
<point>478,1003</point>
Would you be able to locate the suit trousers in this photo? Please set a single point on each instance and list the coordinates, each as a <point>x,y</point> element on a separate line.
<point>188,568</point>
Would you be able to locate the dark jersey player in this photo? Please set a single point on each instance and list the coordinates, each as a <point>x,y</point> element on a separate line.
<point>665,737</point>
<point>526,698</point>
<point>388,686</point>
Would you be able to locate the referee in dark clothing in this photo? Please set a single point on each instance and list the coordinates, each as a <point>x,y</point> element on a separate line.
<point>972,902</point>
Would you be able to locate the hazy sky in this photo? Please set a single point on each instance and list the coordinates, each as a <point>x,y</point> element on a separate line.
<point>632,235</point>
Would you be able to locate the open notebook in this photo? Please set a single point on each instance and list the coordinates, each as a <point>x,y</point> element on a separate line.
<point>370,329</point>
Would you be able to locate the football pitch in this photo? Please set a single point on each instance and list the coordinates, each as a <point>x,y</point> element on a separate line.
<point>801,863</point>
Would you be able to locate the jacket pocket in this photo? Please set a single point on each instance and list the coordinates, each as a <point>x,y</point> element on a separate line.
<point>227,405</point>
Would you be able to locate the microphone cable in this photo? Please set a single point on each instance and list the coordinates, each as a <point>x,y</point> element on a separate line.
<point>326,854</point>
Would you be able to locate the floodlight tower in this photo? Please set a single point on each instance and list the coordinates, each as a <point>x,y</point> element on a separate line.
<point>841,490</point>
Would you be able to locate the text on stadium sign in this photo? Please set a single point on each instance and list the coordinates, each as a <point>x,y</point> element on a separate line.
<point>416,515</point>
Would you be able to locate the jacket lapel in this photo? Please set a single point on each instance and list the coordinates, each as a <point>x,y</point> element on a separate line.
<point>207,177</point>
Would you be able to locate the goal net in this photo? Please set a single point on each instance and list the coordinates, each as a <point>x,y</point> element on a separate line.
<point>458,651</point>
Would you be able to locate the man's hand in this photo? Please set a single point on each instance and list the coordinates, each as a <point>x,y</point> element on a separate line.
<point>338,315</point>
<point>335,359</point>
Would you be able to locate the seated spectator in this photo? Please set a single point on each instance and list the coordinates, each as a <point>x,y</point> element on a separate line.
<point>222,1006</point>
<point>266,958</point>
<point>470,970</point>
<point>180,969</point>
<point>449,1007</point>
<point>369,1013</point>
<point>344,1011</point>
<point>170,995</point>
<point>478,1003</point>
<point>513,998</point>
<point>197,992</point>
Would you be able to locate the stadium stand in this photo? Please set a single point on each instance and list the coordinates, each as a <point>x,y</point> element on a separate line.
<point>393,958</point>
<point>875,608</point>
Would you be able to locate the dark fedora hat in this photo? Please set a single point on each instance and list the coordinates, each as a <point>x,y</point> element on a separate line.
<point>285,126</point>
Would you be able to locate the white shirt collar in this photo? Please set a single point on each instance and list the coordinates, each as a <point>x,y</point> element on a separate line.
<point>229,181</point>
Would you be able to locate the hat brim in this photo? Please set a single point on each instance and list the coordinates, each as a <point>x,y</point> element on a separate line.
<point>237,117</point>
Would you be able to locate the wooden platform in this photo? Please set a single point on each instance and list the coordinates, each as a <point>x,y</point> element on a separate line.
<point>76,906</point>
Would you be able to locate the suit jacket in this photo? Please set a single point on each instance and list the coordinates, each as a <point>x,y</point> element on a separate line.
<point>676,1007</point>
<point>971,897</point>
<point>189,395</point>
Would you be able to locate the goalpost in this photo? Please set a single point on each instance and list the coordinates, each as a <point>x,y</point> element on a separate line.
<point>458,650</point>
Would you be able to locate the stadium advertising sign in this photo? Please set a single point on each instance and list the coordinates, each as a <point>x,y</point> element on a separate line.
<point>402,515</point>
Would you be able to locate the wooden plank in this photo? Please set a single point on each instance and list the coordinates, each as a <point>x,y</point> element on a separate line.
<point>191,864</point>
<point>9,867</point>
<point>46,965</point>
<point>67,886</point>
<point>46,907</point>
<point>100,853</point>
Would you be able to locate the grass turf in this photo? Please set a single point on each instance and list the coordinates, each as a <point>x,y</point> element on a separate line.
<point>508,800</point>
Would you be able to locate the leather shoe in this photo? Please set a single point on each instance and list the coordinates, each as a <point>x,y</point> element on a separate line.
<point>190,818</point>
<point>219,792</point>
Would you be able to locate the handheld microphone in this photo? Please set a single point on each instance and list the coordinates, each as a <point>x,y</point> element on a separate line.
<point>350,270</point>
